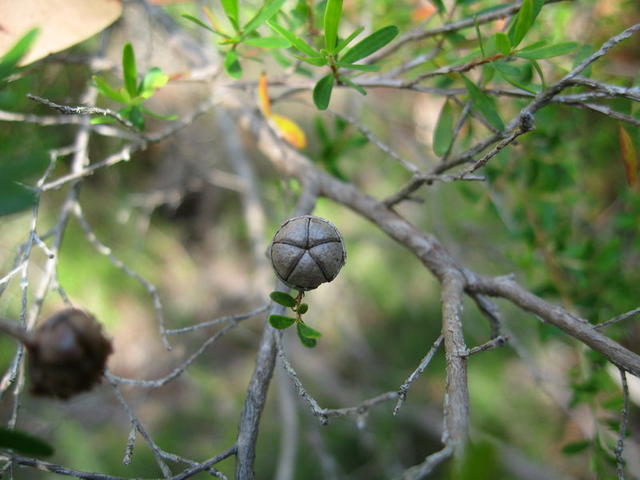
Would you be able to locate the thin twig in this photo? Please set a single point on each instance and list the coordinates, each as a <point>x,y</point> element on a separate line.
<point>619,318</point>
<point>490,345</point>
<point>624,422</point>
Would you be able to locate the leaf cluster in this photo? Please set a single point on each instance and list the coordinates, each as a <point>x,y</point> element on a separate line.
<point>134,92</point>
<point>307,335</point>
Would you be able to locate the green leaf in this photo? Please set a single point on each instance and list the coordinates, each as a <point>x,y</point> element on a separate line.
<point>507,73</point>
<point>443,133</point>
<point>15,197</point>
<point>134,115</point>
<point>370,44</point>
<point>538,70</point>
<point>576,447</point>
<point>439,5</point>
<point>264,14</point>
<point>283,299</point>
<point>268,42</point>
<point>232,65</point>
<point>317,61</point>
<point>230,8</point>
<point>322,92</point>
<point>308,332</point>
<point>485,104</point>
<point>23,442</point>
<point>353,85</point>
<point>281,322</point>
<point>306,341</point>
<point>10,59</point>
<point>15,172</point>
<point>503,44</point>
<point>199,22</point>
<point>547,52</point>
<point>294,40</point>
<point>158,115</point>
<point>343,43</point>
<point>303,308</point>
<point>361,68</point>
<point>129,70</point>
<point>332,13</point>
<point>523,21</point>
<point>107,91</point>
<point>154,78</point>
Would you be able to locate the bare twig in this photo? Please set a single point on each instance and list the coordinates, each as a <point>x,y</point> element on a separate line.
<point>490,345</point>
<point>619,318</point>
<point>423,469</point>
<point>624,422</point>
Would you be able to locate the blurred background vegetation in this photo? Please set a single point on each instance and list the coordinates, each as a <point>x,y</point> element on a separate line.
<point>556,210</point>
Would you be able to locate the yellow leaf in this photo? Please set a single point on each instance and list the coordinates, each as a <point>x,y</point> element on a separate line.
<point>263,95</point>
<point>629,157</point>
<point>422,12</point>
<point>212,19</point>
<point>290,131</point>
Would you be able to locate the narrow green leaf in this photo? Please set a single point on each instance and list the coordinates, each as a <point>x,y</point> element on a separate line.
<point>538,70</point>
<point>485,104</point>
<point>308,332</point>
<point>332,13</point>
<point>283,299</point>
<point>294,40</point>
<point>154,78</point>
<point>303,308</point>
<point>232,65</point>
<point>264,14</point>
<point>107,91</point>
<point>322,92</point>
<point>576,447</point>
<point>508,74</point>
<point>317,61</point>
<point>370,44</point>
<point>547,52</point>
<point>306,341</point>
<point>134,115</point>
<point>129,70</point>
<point>503,44</point>
<point>102,120</point>
<point>268,42</point>
<point>199,22</point>
<point>524,20</point>
<point>10,60</point>
<point>159,116</point>
<point>346,41</point>
<point>23,442</point>
<point>281,322</point>
<point>443,133</point>
<point>354,85</point>
<point>362,68</point>
<point>230,8</point>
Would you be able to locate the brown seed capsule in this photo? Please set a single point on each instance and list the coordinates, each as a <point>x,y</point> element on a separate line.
<point>307,251</point>
<point>67,354</point>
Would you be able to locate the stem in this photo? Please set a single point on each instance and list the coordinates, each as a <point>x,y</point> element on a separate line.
<point>14,330</point>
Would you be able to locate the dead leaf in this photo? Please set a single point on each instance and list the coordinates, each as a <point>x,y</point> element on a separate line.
<point>629,157</point>
<point>289,130</point>
<point>62,23</point>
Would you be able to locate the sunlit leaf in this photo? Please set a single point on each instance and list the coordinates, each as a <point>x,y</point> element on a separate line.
<point>230,8</point>
<point>290,131</point>
<point>361,68</point>
<point>485,104</point>
<point>322,92</point>
<point>317,61</point>
<point>25,443</point>
<point>629,156</point>
<point>106,90</point>
<point>159,116</point>
<point>10,60</point>
<point>294,40</point>
<point>264,14</point>
<point>370,44</point>
<point>129,70</point>
<point>232,65</point>
<point>217,28</point>
<point>547,52</point>
<point>152,80</point>
<point>283,299</point>
<point>268,42</point>
<point>443,133</point>
<point>332,13</point>
<point>281,322</point>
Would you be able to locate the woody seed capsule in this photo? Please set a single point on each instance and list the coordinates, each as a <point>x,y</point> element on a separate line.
<point>307,251</point>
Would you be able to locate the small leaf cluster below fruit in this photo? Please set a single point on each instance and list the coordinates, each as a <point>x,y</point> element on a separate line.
<point>307,335</point>
<point>134,92</point>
